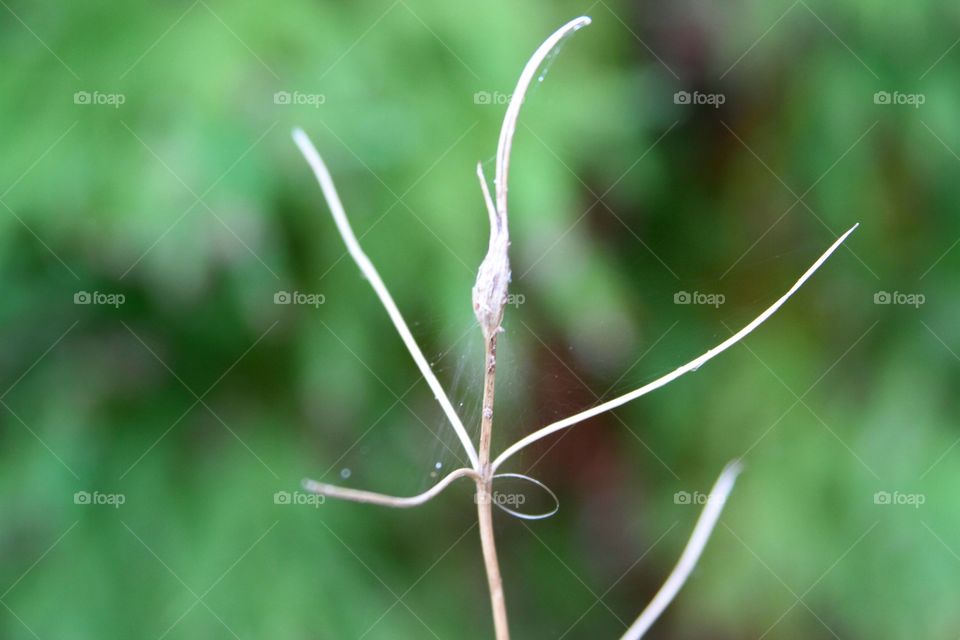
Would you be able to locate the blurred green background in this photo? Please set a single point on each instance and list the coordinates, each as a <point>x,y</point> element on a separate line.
<point>146,154</point>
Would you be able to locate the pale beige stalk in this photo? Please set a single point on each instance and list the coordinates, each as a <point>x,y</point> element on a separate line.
<point>489,299</point>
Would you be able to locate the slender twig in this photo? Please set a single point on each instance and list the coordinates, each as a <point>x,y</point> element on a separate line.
<point>513,109</point>
<point>691,553</point>
<point>489,301</point>
<point>693,365</point>
<point>369,497</point>
<point>370,272</point>
<point>484,497</point>
<point>485,188</point>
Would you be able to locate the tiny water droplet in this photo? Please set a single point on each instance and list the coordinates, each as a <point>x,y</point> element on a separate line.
<point>438,465</point>
<point>345,473</point>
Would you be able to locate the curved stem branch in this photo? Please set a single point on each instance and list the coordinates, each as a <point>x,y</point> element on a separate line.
<point>370,497</point>
<point>489,299</point>
<point>487,200</point>
<point>691,553</point>
<point>693,365</point>
<point>513,109</point>
<point>370,272</point>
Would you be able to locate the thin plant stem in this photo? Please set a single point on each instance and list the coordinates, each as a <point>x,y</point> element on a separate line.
<point>370,497</point>
<point>485,498</point>
<point>505,143</point>
<point>370,272</point>
<point>691,553</point>
<point>489,301</point>
<point>693,365</point>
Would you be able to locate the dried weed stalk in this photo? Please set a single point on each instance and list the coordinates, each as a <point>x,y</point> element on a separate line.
<point>489,300</point>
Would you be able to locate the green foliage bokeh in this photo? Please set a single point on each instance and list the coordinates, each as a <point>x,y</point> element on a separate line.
<point>199,398</point>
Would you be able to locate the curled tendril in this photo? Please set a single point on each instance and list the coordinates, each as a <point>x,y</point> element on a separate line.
<point>528,516</point>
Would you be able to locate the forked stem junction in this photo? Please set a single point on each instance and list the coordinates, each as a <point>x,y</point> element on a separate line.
<point>489,300</point>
